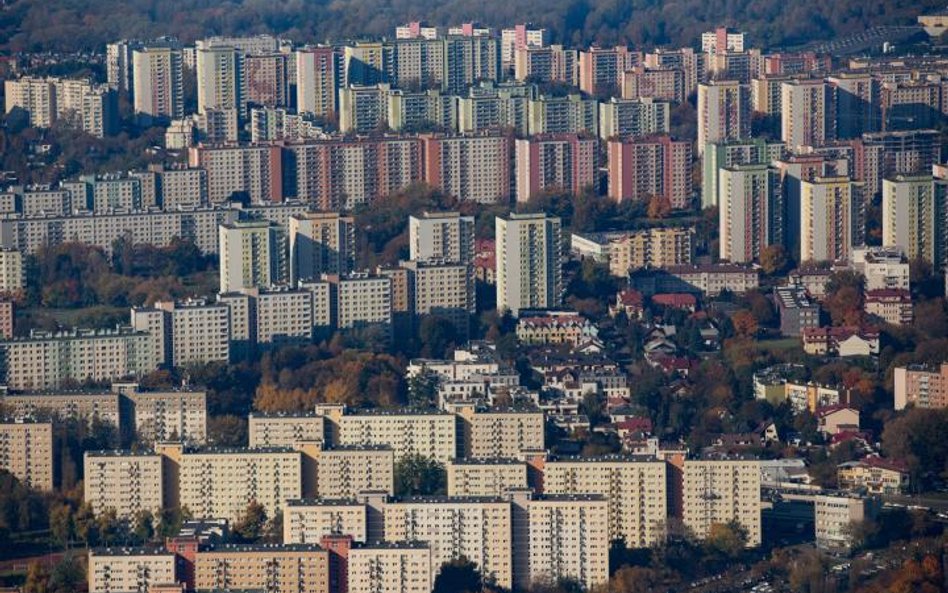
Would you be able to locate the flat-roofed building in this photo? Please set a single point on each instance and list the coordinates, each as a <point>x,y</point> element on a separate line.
<point>26,451</point>
<point>563,537</point>
<point>477,528</point>
<point>390,568</point>
<point>718,491</point>
<point>345,471</point>
<point>125,481</point>
<point>272,568</point>
<point>485,477</point>
<point>921,387</point>
<point>500,433</point>
<point>635,489</point>
<point>130,570</point>
<point>308,520</point>
<point>836,515</point>
<point>284,430</point>
<point>169,415</point>
<point>90,406</point>
<point>221,482</point>
<point>429,434</point>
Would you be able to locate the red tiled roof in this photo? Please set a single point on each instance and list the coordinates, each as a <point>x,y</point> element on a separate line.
<point>888,294</point>
<point>681,300</point>
<point>630,298</point>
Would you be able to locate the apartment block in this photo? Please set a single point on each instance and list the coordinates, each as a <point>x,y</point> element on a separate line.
<point>78,103</point>
<point>873,475</point>
<point>708,280</point>
<point>835,515</point>
<point>832,218</point>
<point>321,243</point>
<point>186,332</point>
<point>345,471</point>
<point>921,387</point>
<point>158,83</point>
<point>445,236</point>
<point>284,316</point>
<point>642,81</point>
<point>891,305</point>
<point>360,300</point>
<point>283,568</point>
<point>222,482</point>
<point>432,435</point>
<point>553,63</point>
<point>135,570</point>
<point>220,79</point>
<point>808,115</point>
<point>635,489</point>
<point>646,167</point>
<point>719,491</point>
<point>797,310</point>
<point>624,118</point>
<point>284,430</point>
<point>316,80</point>
<point>44,360</point>
<point>858,105</point>
<point>442,289</point>
<point>26,452</point>
<point>658,247</point>
<point>182,187</point>
<point>485,477</point>
<point>420,63</point>
<point>915,217</point>
<point>882,267</point>
<point>340,174</point>
<point>168,415</point>
<point>561,536</point>
<point>390,568</point>
<point>307,521</point>
<point>520,37</point>
<point>565,162</point>
<point>12,273</point>
<point>719,156</point>
<point>572,114</point>
<point>81,405</point>
<point>499,433</point>
<point>751,212</point>
<point>724,112</point>
<point>529,262</point>
<point>266,79</point>
<point>475,168</point>
<point>125,481</point>
<point>252,254</point>
<point>254,171</point>
<point>479,529</point>
<point>600,68</point>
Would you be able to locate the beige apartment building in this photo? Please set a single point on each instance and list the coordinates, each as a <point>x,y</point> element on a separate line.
<point>485,477</point>
<point>222,482</point>
<point>308,520</point>
<point>12,276</point>
<point>390,568</point>
<point>26,451</point>
<point>429,434</point>
<point>87,405</point>
<point>321,243</point>
<point>566,536</point>
<point>719,491</point>
<point>284,430</point>
<point>345,471</point>
<point>129,570</point>
<point>635,489</point>
<point>835,515</point>
<point>125,481</point>
<point>169,415</point>
<point>271,568</point>
<point>478,528</point>
<point>492,434</point>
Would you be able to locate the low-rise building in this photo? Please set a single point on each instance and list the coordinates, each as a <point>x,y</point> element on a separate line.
<point>840,341</point>
<point>873,475</point>
<point>797,311</point>
<point>891,305</point>
<point>555,328</point>
<point>835,419</point>
<point>835,517</point>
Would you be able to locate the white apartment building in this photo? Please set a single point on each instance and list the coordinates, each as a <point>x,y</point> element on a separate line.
<point>635,489</point>
<point>750,212</point>
<point>719,491</point>
<point>125,481</point>
<point>808,113</point>
<point>360,299</point>
<point>158,83</point>
<point>81,405</point>
<point>445,236</point>
<point>429,434</point>
<point>220,79</point>
<point>500,433</point>
<point>529,262</point>
<point>321,243</point>
<point>724,112</point>
<point>284,430</point>
<point>26,451</point>
<point>251,255</point>
<point>915,217</point>
<point>883,268</point>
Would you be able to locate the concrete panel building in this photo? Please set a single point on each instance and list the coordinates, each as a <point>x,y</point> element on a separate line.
<point>26,452</point>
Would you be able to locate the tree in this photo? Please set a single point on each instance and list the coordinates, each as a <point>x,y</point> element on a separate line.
<point>227,431</point>
<point>250,526</point>
<point>438,336</point>
<point>728,539</point>
<point>37,579</point>
<point>659,207</point>
<point>458,576</point>
<point>144,526</point>
<point>745,325</point>
<point>68,575</point>
<point>85,525</point>
<point>419,475</point>
<point>773,259</point>
<point>61,524</point>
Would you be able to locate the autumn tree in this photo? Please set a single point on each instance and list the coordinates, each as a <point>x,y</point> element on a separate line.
<point>745,325</point>
<point>250,526</point>
<point>728,539</point>
<point>419,475</point>
<point>659,207</point>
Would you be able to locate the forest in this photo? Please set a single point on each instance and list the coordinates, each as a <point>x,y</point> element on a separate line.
<point>70,25</point>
